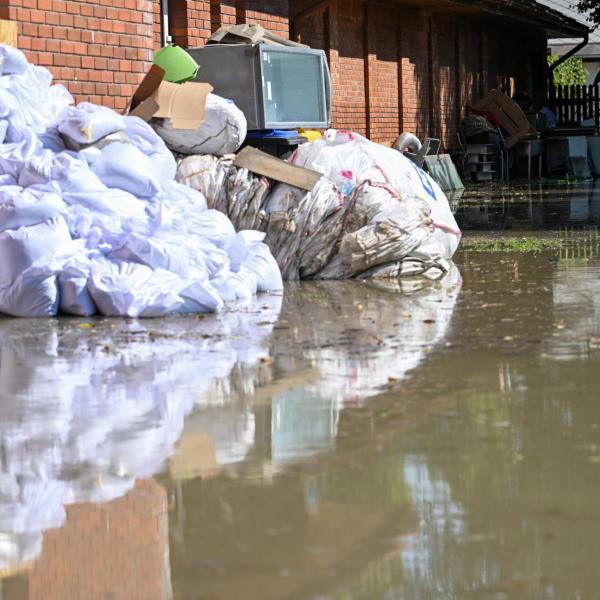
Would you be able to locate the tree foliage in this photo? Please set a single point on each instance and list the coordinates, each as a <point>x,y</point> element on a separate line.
<point>571,72</point>
<point>589,8</point>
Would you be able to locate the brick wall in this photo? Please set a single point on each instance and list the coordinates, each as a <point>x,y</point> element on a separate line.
<point>99,47</point>
<point>402,69</point>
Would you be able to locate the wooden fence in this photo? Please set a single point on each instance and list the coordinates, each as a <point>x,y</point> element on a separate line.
<point>573,104</point>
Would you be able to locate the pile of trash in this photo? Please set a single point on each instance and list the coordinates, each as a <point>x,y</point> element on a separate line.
<point>93,221</point>
<point>374,213</point>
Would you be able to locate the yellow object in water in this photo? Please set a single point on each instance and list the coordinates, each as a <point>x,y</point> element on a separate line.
<point>312,135</point>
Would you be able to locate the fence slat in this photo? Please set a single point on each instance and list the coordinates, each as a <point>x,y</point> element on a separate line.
<point>573,104</point>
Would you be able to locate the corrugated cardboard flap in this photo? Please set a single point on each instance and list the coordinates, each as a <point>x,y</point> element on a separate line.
<point>184,104</point>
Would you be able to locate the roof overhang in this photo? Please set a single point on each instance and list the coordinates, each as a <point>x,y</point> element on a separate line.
<point>526,13</point>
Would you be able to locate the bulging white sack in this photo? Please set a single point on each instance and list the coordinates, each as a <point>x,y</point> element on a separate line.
<point>20,248</point>
<point>22,208</point>
<point>13,60</point>
<point>223,131</point>
<point>87,123</point>
<point>125,289</point>
<point>24,291</point>
<point>123,166</point>
<point>350,159</point>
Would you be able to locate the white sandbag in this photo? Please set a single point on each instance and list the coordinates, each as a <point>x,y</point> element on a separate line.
<point>37,170</point>
<point>146,139</point>
<point>30,296</point>
<point>22,208</point>
<point>261,262</point>
<point>75,298</point>
<point>13,60</point>
<point>24,291</point>
<point>87,123</point>
<point>350,159</point>
<point>155,253</point>
<point>20,248</point>
<point>222,132</point>
<point>125,289</point>
<point>125,167</point>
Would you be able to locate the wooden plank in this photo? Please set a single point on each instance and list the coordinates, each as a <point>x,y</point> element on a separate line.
<point>8,32</point>
<point>269,166</point>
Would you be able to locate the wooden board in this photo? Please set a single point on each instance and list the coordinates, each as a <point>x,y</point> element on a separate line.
<point>8,32</point>
<point>269,166</point>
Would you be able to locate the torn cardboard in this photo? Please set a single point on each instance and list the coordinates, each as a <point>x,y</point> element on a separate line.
<point>183,104</point>
<point>269,166</point>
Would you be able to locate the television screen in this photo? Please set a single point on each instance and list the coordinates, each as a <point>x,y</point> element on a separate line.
<point>293,87</point>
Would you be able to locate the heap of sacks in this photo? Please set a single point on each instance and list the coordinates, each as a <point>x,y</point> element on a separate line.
<point>374,214</point>
<point>92,220</point>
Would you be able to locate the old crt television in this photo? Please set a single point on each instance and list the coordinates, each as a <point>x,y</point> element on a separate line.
<point>276,87</point>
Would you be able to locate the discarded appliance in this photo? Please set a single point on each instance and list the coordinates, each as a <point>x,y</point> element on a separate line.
<point>276,87</point>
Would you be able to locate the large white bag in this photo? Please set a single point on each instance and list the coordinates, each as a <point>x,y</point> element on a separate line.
<point>87,123</point>
<point>222,132</point>
<point>350,159</point>
<point>24,291</point>
<point>123,166</point>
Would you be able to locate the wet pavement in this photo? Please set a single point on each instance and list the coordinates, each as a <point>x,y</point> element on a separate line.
<point>347,441</point>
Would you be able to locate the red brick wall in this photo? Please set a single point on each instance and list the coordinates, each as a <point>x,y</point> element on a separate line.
<point>404,69</point>
<point>99,47</point>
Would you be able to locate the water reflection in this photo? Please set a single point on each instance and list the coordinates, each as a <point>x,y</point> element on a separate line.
<point>544,205</point>
<point>87,408</point>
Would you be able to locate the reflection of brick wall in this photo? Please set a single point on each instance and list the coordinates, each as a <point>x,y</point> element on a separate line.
<point>117,550</point>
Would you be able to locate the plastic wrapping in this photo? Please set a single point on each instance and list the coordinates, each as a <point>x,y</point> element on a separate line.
<point>222,132</point>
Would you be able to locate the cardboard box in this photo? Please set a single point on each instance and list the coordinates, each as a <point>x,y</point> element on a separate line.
<point>184,104</point>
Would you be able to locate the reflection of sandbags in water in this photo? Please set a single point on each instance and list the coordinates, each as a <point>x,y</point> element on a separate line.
<point>353,353</point>
<point>82,417</point>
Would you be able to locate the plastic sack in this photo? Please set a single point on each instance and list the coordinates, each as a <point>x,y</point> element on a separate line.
<point>24,291</point>
<point>87,123</point>
<point>22,208</point>
<point>13,60</point>
<point>145,139</point>
<point>30,296</point>
<point>20,248</point>
<point>222,132</point>
<point>125,289</point>
<point>125,167</point>
<point>350,159</point>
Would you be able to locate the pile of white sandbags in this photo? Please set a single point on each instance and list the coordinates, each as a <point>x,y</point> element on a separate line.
<point>92,221</point>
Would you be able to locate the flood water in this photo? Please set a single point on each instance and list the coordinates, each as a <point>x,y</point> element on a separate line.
<point>425,440</point>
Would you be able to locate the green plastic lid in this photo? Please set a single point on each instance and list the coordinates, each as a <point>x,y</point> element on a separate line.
<point>179,66</point>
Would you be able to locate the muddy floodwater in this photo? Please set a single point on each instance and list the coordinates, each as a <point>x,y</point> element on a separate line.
<point>423,440</point>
